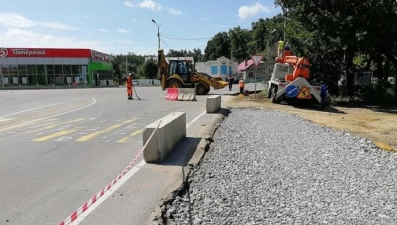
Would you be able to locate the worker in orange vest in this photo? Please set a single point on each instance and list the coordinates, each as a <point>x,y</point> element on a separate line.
<point>241,84</point>
<point>128,84</point>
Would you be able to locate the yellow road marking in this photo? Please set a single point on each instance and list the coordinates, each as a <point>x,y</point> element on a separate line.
<point>128,137</point>
<point>52,126</point>
<point>57,134</point>
<point>24,125</point>
<point>92,135</point>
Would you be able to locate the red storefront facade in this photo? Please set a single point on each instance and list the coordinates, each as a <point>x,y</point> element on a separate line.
<point>27,67</point>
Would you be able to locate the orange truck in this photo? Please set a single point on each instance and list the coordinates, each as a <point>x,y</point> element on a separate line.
<point>289,80</point>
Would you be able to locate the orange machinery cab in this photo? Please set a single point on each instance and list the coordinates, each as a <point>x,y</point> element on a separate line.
<point>301,66</point>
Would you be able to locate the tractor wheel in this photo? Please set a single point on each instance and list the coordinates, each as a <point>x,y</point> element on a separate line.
<point>174,83</point>
<point>207,90</point>
<point>269,93</point>
<point>201,89</point>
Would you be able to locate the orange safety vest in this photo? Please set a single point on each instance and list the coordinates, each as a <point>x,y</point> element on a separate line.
<point>129,82</point>
<point>241,83</point>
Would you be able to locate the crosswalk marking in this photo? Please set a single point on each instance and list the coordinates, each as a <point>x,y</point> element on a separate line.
<point>25,124</point>
<point>2,119</point>
<point>94,134</point>
<point>66,130</point>
<point>52,126</point>
<point>133,134</point>
<point>54,135</point>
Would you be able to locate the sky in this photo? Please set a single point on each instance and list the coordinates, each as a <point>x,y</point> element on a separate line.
<point>122,27</point>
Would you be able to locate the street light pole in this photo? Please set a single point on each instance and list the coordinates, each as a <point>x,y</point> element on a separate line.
<point>158,31</point>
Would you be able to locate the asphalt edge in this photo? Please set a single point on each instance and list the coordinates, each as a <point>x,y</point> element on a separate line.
<point>159,214</point>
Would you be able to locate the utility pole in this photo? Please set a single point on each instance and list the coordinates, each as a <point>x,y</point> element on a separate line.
<point>158,32</point>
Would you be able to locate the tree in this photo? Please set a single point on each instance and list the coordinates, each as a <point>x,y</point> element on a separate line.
<point>348,29</point>
<point>239,40</point>
<point>150,69</point>
<point>218,46</point>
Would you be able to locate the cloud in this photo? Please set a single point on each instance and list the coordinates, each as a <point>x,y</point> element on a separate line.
<point>124,31</point>
<point>16,37</point>
<point>102,30</point>
<point>18,21</point>
<point>55,25</point>
<point>145,4</point>
<point>175,12</point>
<point>245,12</point>
<point>129,4</point>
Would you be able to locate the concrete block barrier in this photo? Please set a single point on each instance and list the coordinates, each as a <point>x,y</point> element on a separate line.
<point>187,94</point>
<point>213,103</point>
<point>170,132</point>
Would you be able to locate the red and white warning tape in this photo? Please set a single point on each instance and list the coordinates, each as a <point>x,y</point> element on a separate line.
<point>72,218</point>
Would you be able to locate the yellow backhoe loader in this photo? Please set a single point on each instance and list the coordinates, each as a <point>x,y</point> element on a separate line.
<point>179,72</point>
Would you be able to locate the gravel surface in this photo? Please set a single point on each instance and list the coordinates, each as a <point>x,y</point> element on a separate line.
<point>268,167</point>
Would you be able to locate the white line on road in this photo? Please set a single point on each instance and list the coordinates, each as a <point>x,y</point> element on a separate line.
<point>59,114</point>
<point>122,181</point>
<point>37,108</point>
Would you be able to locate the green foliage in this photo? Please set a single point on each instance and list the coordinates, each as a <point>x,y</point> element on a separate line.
<point>218,46</point>
<point>150,69</point>
<point>196,54</point>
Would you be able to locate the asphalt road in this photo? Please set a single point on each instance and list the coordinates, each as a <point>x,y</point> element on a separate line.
<point>59,148</point>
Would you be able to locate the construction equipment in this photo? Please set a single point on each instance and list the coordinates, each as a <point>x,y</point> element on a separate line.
<point>290,80</point>
<point>179,72</point>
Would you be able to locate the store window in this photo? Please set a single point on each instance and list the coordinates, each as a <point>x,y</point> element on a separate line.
<point>22,70</point>
<point>223,69</point>
<point>50,75</point>
<point>58,70</point>
<point>67,69</point>
<point>6,78</point>
<point>214,70</point>
<point>32,77</point>
<point>40,69</point>
<point>13,71</point>
<point>76,69</point>
<point>31,69</point>
<point>50,69</point>
<point>23,73</point>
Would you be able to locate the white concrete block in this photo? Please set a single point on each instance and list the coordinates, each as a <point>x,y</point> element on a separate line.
<point>213,103</point>
<point>171,131</point>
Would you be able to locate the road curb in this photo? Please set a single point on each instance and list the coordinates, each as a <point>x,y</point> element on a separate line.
<point>158,216</point>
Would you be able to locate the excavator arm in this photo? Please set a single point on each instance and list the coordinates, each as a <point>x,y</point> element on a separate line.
<point>162,69</point>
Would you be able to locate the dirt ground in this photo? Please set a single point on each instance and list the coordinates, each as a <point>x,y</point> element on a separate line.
<point>376,124</point>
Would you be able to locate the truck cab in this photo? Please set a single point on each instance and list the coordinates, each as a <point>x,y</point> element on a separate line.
<point>280,70</point>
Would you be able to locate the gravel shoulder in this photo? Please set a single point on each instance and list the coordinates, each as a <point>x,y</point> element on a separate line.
<point>278,164</point>
<point>376,124</point>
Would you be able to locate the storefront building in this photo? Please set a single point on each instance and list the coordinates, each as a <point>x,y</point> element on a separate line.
<point>36,67</point>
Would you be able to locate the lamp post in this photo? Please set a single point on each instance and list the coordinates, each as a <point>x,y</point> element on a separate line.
<point>268,42</point>
<point>158,31</point>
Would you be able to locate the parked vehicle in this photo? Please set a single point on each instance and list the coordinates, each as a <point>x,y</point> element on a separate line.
<point>289,80</point>
<point>179,72</point>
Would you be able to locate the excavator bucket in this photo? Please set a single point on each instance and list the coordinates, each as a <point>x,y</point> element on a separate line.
<point>219,84</point>
<point>215,82</point>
